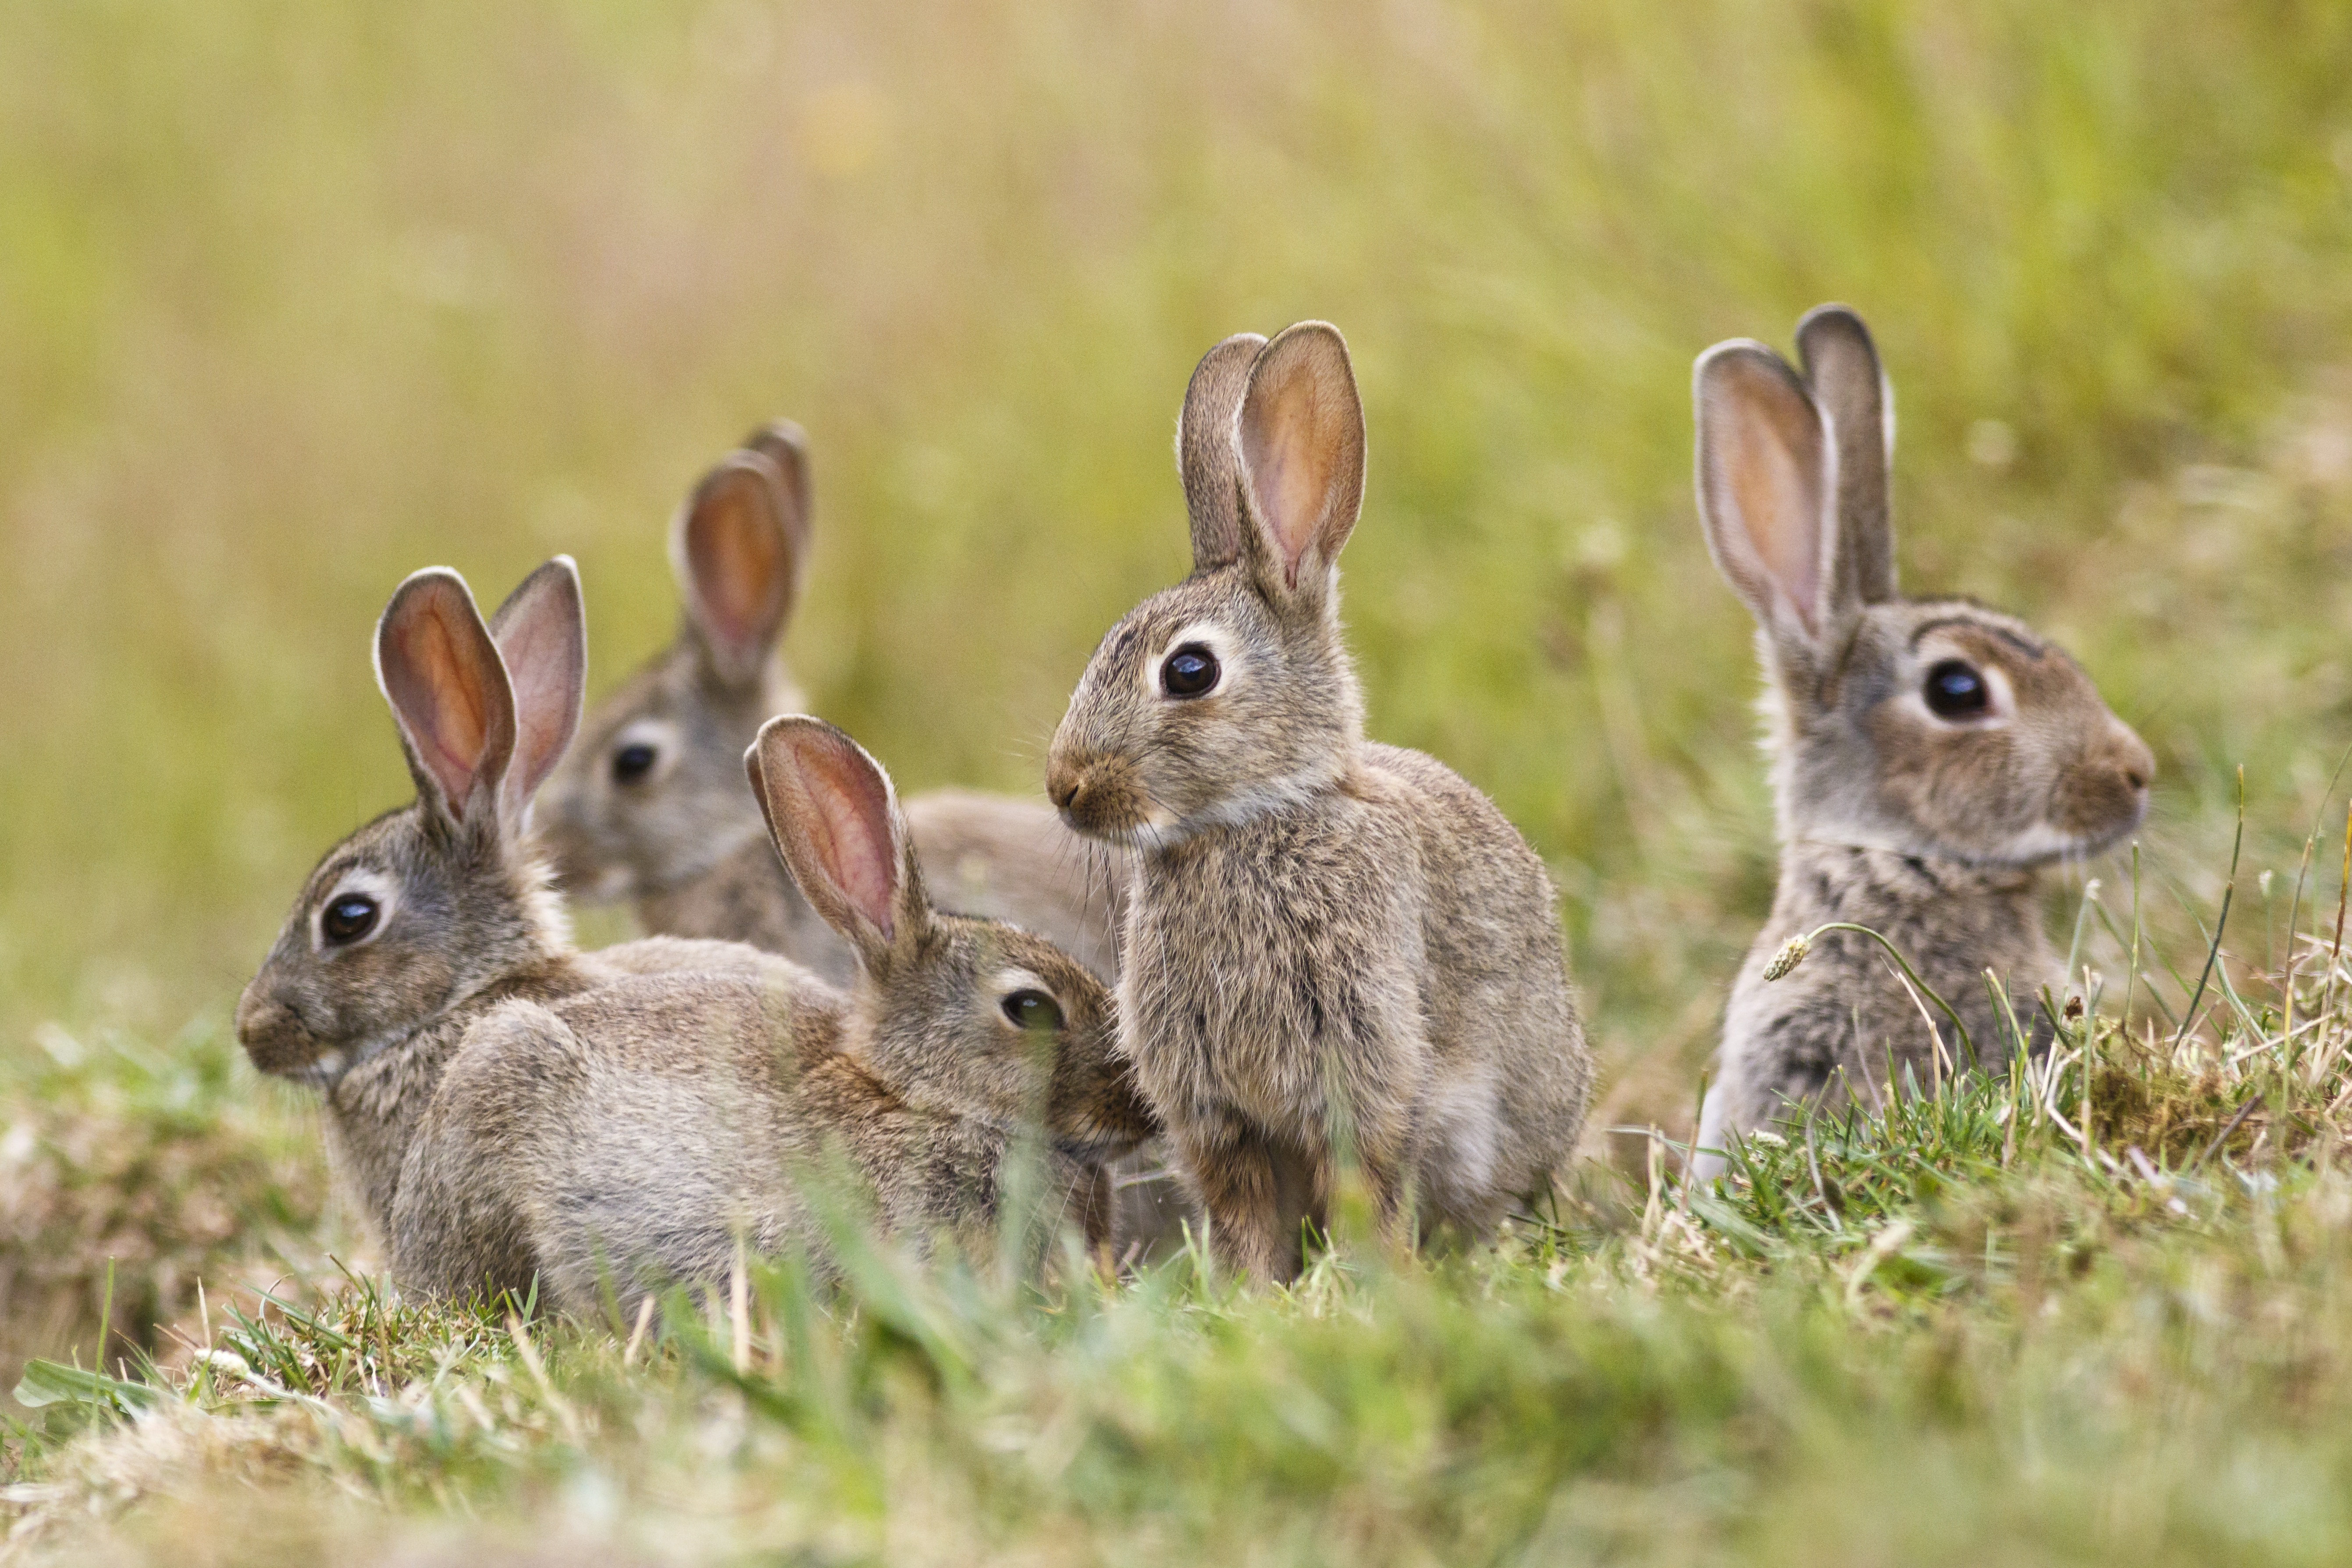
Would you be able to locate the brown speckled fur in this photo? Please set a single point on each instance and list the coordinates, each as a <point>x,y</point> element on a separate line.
<point>1928,829</point>
<point>1330,941</point>
<point>686,842</point>
<point>486,1088</point>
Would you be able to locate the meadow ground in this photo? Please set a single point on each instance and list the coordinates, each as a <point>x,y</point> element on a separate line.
<point>296,298</point>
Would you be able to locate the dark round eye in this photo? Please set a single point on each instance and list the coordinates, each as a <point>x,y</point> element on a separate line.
<point>1957,690</point>
<point>1033,1010</point>
<point>1190,671</point>
<point>634,761</point>
<point>348,919</point>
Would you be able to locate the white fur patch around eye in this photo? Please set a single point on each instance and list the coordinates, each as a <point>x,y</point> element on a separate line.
<point>1220,643</point>
<point>2000,706</point>
<point>660,734</point>
<point>363,881</point>
<point>1012,978</point>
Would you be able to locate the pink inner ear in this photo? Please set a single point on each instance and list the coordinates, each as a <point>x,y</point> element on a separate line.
<point>1780,503</point>
<point>441,692</point>
<point>851,833</point>
<point>735,552</point>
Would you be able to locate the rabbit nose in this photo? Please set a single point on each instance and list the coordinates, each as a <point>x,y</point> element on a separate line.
<point>1065,783</point>
<point>2132,756</point>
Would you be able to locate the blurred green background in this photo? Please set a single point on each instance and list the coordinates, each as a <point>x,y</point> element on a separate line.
<point>296,297</point>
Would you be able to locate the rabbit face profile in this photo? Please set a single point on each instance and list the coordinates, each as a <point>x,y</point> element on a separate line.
<point>433,912</point>
<point>1333,949</point>
<point>1232,693</point>
<point>1927,754</point>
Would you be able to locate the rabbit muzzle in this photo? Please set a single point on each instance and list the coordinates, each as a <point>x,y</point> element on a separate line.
<point>2104,795</point>
<point>1102,798</point>
<point>274,1034</point>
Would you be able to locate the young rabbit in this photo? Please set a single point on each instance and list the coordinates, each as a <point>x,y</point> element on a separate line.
<point>425,985</point>
<point>1928,755</point>
<point>422,926</point>
<point>651,804</point>
<point>1331,946</point>
<point>640,1150</point>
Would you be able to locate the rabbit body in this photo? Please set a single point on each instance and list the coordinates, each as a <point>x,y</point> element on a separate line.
<point>1929,756</point>
<point>1332,948</point>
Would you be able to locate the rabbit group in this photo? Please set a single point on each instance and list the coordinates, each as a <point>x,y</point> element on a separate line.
<point>1329,955</point>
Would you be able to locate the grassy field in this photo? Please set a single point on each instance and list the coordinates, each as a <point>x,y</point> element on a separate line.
<point>295,299</point>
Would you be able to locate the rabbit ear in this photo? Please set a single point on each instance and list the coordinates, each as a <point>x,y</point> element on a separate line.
<point>785,443</point>
<point>1765,469</point>
<point>1300,438</point>
<point>448,690</point>
<point>542,632</point>
<point>734,552</point>
<point>836,821</point>
<point>1841,370</point>
<point>1205,459</point>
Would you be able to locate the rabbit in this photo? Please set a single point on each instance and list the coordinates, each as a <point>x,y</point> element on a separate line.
<point>1928,756</point>
<point>421,926</point>
<point>651,806</point>
<point>1331,946</point>
<point>426,985</point>
<point>640,1153</point>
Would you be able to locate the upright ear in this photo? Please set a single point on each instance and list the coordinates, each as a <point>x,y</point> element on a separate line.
<point>836,821</point>
<point>1842,372</point>
<point>1765,469</point>
<point>1300,438</point>
<point>542,632</point>
<point>448,690</point>
<point>736,562</point>
<point>1205,459</point>
<point>785,443</point>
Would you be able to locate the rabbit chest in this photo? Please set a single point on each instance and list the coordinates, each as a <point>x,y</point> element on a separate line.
<point>1847,1008</point>
<point>1273,966</point>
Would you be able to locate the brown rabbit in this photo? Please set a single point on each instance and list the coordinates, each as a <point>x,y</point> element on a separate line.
<point>1929,756</point>
<point>651,804</point>
<point>428,921</point>
<point>639,1143</point>
<point>426,985</point>
<point>1329,943</point>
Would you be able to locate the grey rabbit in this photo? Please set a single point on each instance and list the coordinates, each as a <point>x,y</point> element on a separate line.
<point>1331,946</point>
<point>1928,756</point>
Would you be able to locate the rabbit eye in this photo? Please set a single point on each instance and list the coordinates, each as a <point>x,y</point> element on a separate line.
<point>1191,671</point>
<point>348,919</point>
<point>633,762</point>
<point>1957,690</point>
<point>1033,1010</point>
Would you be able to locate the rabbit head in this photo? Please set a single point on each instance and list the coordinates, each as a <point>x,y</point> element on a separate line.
<point>1232,693</point>
<point>653,796</point>
<point>432,903</point>
<point>972,1016</point>
<point>1925,726</point>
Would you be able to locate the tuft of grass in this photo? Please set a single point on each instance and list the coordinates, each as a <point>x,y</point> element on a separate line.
<point>130,1173</point>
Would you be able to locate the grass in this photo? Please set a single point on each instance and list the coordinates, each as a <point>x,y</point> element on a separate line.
<point>2094,1311</point>
<point>294,300</point>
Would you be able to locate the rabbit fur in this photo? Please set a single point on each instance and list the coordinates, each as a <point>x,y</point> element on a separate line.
<point>651,806</point>
<point>1928,756</point>
<point>1332,948</point>
<point>424,945</point>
